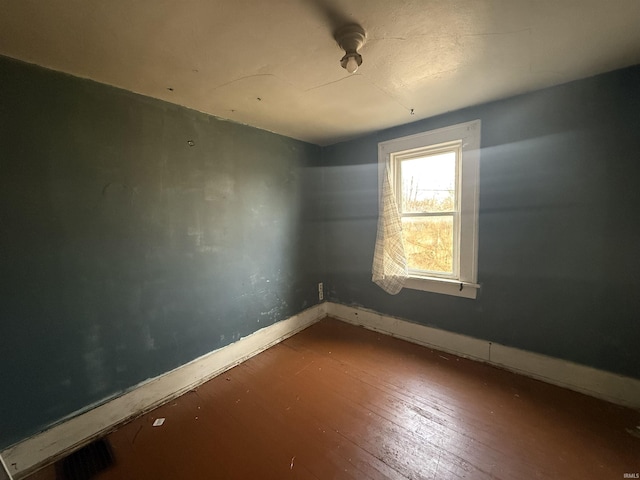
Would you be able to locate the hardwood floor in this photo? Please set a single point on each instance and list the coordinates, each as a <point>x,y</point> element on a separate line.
<point>340,402</point>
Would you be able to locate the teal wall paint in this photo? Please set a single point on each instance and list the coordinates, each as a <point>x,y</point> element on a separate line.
<point>559,236</point>
<point>125,252</point>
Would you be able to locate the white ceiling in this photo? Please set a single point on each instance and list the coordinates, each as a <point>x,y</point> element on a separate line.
<point>274,64</point>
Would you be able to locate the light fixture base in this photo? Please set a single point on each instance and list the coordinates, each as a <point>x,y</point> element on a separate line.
<point>351,38</point>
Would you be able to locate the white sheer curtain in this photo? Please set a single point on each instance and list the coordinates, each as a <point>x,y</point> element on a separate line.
<point>389,260</point>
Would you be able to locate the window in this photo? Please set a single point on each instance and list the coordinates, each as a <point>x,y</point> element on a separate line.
<point>434,177</point>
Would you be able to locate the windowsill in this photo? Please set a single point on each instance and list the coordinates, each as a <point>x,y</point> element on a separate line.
<point>444,286</point>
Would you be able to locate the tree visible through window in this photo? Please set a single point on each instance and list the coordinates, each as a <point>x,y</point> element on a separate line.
<point>434,179</point>
<point>429,208</point>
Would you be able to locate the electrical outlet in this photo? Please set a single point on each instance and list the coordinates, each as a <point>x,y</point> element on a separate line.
<point>320,291</point>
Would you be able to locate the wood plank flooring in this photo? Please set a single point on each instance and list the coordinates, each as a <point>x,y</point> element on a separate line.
<point>340,402</point>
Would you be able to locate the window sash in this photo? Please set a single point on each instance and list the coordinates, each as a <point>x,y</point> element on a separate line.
<point>465,285</point>
<point>425,152</point>
<point>453,274</point>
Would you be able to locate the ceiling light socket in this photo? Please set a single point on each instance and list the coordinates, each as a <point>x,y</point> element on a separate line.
<point>351,38</point>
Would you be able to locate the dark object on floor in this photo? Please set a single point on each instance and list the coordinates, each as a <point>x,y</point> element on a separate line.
<point>87,462</point>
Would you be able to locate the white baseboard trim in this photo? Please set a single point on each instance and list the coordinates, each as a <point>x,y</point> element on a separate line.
<point>43,448</point>
<point>605,385</point>
<point>4,471</point>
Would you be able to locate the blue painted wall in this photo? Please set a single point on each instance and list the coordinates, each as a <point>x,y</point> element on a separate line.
<point>559,233</point>
<point>124,251</point>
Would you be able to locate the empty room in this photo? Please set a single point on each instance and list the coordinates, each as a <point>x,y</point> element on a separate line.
<point>319,239</point>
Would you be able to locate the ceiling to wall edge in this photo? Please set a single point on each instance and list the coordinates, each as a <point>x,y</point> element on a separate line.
<point>346,138</point>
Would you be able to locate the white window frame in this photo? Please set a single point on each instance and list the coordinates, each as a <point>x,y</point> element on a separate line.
<point>464,282</point>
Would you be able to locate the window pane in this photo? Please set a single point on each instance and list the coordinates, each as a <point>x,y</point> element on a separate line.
<point>428,183</point>
<point>428,243</point>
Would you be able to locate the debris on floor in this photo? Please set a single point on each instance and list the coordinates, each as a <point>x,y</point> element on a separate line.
<point>634,431</point>
<point>158,422</point>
